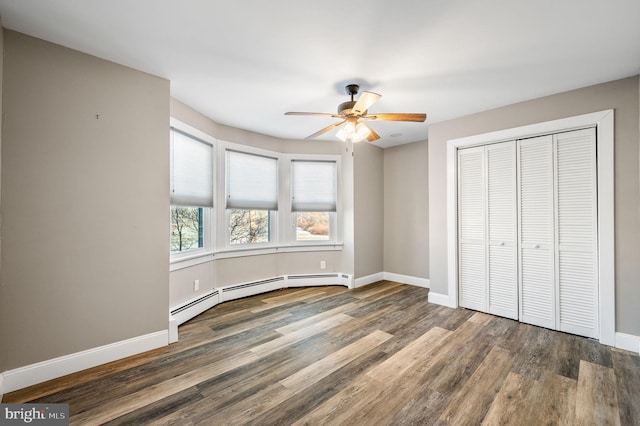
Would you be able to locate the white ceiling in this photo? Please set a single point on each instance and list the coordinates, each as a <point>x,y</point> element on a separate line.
<point>244,63</point>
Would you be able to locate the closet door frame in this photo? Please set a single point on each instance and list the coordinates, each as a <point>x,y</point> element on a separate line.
<point>603,121</point>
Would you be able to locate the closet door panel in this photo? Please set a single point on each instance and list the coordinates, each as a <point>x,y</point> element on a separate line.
<point>577,232</point>
<point>471,229</point>
<point>502,235</point>
<point>536,233</point>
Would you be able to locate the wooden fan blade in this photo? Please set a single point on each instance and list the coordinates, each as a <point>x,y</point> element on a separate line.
<point>325,130</point>
<point>396,117</point>
<point>373,136</point>
<point>365,100</point>
<point>315,114</point>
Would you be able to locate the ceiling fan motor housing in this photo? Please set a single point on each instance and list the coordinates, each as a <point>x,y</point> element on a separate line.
<point>346,107</point>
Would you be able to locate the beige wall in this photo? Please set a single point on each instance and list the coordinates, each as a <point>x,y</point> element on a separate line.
<point>85,172</point>
<point>621,95</point>
<point>250,268</point>
<point>406,210</point>
<point>227,271</point>
<point>368,187</point>
<point>181,282</point>
<point>2,341</point>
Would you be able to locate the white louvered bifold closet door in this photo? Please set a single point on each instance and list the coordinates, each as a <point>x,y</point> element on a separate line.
<point>536,233</point>
<point>471,229</point>
<point>502,229</point>
<point>576,247</point>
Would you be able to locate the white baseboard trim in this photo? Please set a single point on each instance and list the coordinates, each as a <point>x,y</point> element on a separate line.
<point>46,370</point>
<point>628,342</point>
<point>1,386</point>
<point>406,279</point>
<point>390,276</point>
<point>441,299</point>
<point>173,330</point>
<point>313,280</point>
<point>347,280</point>
<point>369,279</point>
<point>189,309</point>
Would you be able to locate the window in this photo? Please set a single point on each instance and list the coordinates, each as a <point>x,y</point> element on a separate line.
<point>314,199</point>
<point>251,197</point>
<point>249,226</point>
<point>191,192</point>
<point>187,228</point>
<point>312,226</point>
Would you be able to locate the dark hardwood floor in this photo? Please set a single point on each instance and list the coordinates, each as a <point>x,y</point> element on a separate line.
<point>377,355</point>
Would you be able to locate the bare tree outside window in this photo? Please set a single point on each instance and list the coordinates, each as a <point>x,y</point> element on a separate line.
<point>249,226</point>
<point>312,226</point>
<point>186,228</point>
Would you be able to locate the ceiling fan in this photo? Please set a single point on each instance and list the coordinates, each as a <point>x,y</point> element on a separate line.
<point>352,111</point>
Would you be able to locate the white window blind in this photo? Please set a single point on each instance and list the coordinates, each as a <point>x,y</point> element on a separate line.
<point>191,171</point>
<point>252,181</point>
<point>313,186</point>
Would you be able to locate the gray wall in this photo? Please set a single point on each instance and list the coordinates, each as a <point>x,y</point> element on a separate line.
<point>406,210</point>
<point>621,95</point>
<point>368,186</point>
<point>84,202</point>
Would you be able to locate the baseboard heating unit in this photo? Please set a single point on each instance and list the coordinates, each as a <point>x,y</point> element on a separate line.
<point>184,312</point>
<point>237,291</point>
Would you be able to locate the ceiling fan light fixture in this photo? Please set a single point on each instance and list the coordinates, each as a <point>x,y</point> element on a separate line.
<point>351,111</point>
<point>354,132</point>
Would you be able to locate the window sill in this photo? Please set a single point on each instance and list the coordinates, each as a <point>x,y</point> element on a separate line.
<point>185,261</point>
<point>204,257</point>
<point>311,247</point>
<point>256,251</point>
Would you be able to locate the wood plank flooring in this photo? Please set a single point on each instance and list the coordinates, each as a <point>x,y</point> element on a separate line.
<point>377,355</point>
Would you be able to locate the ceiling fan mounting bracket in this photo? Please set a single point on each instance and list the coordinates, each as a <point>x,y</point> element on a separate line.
<point>352,90</point>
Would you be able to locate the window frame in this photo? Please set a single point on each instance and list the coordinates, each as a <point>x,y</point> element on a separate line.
<point>224,245</point>
<point>335,218</point>
<point>206,236</point>
<point>208,232</point>
<point>333,232</point>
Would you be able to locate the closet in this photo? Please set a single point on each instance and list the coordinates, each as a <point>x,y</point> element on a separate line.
<point>527,230</point>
